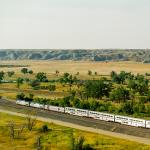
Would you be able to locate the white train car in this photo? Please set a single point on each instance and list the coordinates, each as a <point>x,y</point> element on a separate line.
<point>18,101</point>
<point>137,122</point>
<point>101,116</point>
<point>22,102</point>
<point>107,117</point>
<point>56,108</point>
<point>147,123</point>
<point>81,112</point>
<point>33,104</point>
<point>46,107</point>
<point>122,120</point>
<point>130,121</point>
<point>94,115</point>
<point>36,105</point>
<point>70,110</point>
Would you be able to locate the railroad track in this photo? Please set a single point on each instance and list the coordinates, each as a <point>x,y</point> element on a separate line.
<point>83,121</point>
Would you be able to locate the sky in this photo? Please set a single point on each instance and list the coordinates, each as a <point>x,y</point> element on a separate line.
<point>74,24</point>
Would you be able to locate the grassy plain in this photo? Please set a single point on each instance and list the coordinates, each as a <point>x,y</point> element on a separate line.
<point>102,68</point>
<point>10,90</point>
<point>58,137</point>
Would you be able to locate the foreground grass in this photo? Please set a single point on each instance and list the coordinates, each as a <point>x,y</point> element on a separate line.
<point>58,137</point>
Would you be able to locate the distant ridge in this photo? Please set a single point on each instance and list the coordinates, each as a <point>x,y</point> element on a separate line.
<point>138,55</point>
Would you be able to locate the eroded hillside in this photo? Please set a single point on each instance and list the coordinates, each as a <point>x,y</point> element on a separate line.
<point>83,54</point>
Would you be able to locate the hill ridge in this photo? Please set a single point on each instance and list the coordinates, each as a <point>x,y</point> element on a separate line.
<point>138,55</point>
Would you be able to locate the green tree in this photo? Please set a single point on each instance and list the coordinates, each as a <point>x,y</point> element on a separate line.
<point>142,87</point>
<point>20,96</point>
<point>41,77</point>
<point>139,108</point>
<point>132,84</point>
<point>97,89</point>
<point>79,143</point>
<point>19,82</point>
<point>24,70</point>
<point>127,108</point>
<point>119,94</point>
<point>95,73</point>
<point>29,98</point>
<point>51,87</point>
<point>10,73</point>
<point>89,72</point>
<point>45,128</point>
<point>57,72</point>
<point>30,72</point>
<point>139,84</point>
<point>34,83</point>
<point>1,76</point>
<point>148,96</point>
<point>68,79</point>
<point>77,73</point>
<point>121,77</point>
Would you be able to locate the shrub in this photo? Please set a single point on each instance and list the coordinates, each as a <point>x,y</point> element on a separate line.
<point>51,87</point>
<point>142,99</point>
<point>44,128</point>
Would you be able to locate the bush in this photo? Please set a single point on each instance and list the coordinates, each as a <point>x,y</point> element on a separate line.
<point>147,74</point>
<point>51,87</point>
<point>20,96</point>
<point>43,87</point>
<point>127,108</point>
<point>44,128</point>
<point>88,147</point>
<point>36,88</point>
<point>35,83</point>
<point>148,110</point>
<point>142,99</point>
<point>112,109</point>
<point>148,96</point>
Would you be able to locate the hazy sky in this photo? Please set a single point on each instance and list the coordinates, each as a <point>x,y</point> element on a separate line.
<point>74,23</point>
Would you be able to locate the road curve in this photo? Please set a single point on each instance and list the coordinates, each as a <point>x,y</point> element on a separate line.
<point>81,123</point>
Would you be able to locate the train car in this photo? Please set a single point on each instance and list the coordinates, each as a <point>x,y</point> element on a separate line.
<point>17,101</point>
<point>36,105</point>
<point>46,107</point>
<point>22,102</point>
<point>81,112</point>
<point>137,122</point>
<point>56,108</point>
<point>94,115</point>
<point>122,120</point>
<point>107,117</point>
<point>33,104</point>
<point>101,116</point>
<point>147,123</point>
<point>70,110</point>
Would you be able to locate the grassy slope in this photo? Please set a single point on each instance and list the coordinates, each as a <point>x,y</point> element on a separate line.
<point>59,138</point>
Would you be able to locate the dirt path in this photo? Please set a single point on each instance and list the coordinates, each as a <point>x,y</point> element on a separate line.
<point>89,129</point>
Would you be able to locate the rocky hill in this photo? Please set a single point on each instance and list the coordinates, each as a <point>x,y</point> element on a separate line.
<point>83,54</point>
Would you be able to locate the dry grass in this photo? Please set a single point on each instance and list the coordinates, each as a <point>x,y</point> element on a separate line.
<point>10,91</point>
<point>59,138</point>
<point>102,68</point>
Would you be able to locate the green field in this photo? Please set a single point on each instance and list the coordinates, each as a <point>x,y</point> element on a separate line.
<point>57,137</point>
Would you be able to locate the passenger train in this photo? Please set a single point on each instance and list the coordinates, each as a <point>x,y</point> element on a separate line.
<point>130,121</point>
